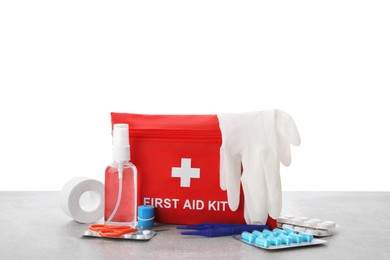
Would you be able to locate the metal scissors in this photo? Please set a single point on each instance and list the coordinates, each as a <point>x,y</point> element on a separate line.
<point>220,230</point>
<point>111,230</point>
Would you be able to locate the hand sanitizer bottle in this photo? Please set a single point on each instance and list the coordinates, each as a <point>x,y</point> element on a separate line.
<point>120,192</point>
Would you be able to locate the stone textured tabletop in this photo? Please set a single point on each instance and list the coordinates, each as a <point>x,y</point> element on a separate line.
<point>34,227</point>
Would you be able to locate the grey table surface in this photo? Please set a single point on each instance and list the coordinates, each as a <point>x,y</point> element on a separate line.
<point>33,226</point>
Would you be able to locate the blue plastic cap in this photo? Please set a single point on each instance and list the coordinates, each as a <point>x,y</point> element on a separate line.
<point>145,216</point>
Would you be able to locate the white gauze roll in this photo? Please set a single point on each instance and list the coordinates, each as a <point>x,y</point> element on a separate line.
<point>82,199</point>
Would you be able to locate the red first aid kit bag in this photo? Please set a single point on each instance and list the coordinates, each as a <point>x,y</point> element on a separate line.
<point>177,157</point>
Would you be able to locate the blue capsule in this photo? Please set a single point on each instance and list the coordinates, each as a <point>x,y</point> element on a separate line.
<point>278,231</point>
<point>285,239</point>
<point>268,233</point>
<point>259,234</point>
<point>306,236</point>
<point>262,242</point>
<point>274,241</point>
<point>296,238</point>
<point>289,230</point>
<point>248,237</point>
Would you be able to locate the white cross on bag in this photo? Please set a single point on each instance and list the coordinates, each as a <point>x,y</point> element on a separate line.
<point>185,172</point>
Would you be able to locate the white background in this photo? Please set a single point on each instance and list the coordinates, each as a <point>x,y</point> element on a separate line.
<point>65,65</point>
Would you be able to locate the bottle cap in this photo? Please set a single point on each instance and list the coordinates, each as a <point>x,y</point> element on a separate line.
<point>145,216</point>
<point>120,143</point>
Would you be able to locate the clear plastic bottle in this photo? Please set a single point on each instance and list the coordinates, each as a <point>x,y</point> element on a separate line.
<point>120,206</point>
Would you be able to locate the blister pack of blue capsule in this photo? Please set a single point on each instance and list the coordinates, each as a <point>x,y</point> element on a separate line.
<point>278,239</point>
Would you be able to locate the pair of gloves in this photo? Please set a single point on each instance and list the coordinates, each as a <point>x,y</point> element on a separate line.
<point>253,145</point>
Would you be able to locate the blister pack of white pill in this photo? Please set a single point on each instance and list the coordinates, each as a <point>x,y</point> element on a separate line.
<point>278,239</point>
<point>315,226</point>
<point>141,235</point>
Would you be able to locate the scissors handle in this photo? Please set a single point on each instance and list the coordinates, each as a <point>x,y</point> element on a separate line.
<point>111,230</point>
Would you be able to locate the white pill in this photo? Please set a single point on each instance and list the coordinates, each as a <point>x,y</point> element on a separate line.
<point>309,223</point>
<point>146,232</point>
<point>140,236</point>
<point>283,219</point>
<point>310,231</point>
<point>313,222</point>
<point>331,224</point>
<point>324,225</point>
<point>129,236</point>
<point>288,226</point>
<point>300,229</point>
<point>296,221</point>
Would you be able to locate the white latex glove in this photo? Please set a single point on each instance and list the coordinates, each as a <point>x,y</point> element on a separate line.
<point>255,143</point>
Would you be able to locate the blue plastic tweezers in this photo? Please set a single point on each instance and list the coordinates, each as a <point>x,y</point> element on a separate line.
<point>220,230</point>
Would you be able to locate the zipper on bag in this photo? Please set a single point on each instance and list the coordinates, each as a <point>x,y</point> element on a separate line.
<point>177,134</point>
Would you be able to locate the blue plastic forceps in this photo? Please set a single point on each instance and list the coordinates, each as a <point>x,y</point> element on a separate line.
<point>220,230</point>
